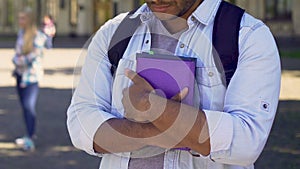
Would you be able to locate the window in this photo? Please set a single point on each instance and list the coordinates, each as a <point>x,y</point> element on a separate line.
<point>231,1</point>
<point>73,12</point>
<point>10,17</point>
<point>278,9</point>
<point>103,10</point>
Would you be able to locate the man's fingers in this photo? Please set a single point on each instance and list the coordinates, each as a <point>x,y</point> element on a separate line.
<point>133,76</point>
<point>181,95</point>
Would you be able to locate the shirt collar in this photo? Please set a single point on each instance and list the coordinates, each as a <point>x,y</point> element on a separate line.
<point>205,13</point>
<point>143,10</point>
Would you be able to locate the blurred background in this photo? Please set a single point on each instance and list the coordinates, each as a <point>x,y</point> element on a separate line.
<point>76,21</point>
<point>83,17</point>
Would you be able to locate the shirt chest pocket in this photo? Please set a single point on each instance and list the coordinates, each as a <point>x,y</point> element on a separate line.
<point>208,76</point>
<point>209,87</point>
<point>121,82</point>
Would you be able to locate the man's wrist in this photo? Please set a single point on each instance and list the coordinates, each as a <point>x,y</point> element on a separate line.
<point>158,107</point>
<point>144,130</point>
<point>162,108</point>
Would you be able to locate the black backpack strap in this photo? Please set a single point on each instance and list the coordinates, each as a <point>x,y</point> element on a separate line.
<point>121,38</point>
<point>226,36</point>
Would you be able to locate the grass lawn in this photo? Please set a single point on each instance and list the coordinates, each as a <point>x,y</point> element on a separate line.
<point>290,53</point>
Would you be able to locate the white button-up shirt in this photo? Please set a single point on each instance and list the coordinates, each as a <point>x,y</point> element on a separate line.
<point>239,117</point>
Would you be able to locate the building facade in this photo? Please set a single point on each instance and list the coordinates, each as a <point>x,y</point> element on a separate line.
<point>72,17</point>
<point>84,17</point>
<point>280,15</point>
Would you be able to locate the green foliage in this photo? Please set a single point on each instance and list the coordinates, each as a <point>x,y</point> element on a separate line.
<point>290,53</point>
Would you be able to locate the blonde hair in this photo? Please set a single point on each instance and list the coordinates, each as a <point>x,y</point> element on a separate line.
<point>30,31</point>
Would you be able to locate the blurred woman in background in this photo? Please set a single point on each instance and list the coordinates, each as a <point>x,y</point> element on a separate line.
<point>28,72</point>
<point>49,28</point>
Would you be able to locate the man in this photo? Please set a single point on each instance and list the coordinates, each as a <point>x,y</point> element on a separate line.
<point>123,120</point>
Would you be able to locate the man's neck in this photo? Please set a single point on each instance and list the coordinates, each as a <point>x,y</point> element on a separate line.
<point>178,24</point>
<point>175,25</point>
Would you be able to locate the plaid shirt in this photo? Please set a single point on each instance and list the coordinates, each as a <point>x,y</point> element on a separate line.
<point>29,66</point>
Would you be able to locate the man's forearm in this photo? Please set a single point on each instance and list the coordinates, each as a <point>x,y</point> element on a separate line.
<point>122,135</point>
<point>185,124</point>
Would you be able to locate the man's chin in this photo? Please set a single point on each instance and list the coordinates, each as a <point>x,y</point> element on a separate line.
<point>165,16</point>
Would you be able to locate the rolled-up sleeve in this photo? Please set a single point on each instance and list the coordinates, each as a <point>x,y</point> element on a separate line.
<point>239,133</point>
<point>91,102</point>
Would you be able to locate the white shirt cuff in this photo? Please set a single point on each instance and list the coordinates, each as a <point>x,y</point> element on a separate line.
<point>220,127</point>
<point>83,126</point>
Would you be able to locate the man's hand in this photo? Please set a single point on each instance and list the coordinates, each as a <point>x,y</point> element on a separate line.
<point>181,95</point>
<point>137,100</point>
<point>180,125</point>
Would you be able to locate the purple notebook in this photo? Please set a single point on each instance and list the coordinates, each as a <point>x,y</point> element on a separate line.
<point>168,73</point>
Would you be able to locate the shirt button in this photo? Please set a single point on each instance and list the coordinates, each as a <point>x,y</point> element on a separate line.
<point>144,18</point>
<point>210,74</point>
<point>193,18</point>
<point>182,45</point>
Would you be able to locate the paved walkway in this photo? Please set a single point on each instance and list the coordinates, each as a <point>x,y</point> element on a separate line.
<point>54,149</point>
<point>287,43</point>
<point>59,42</point>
